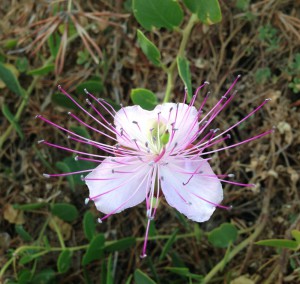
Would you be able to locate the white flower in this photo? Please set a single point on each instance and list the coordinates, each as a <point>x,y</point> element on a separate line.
<point>155,153</point>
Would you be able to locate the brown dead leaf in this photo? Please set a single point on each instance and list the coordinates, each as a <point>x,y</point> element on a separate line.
<point>13,215</point>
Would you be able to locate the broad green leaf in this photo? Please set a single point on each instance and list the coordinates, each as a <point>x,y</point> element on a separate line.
<point>208,11</point>
<point>120,245</point>
<point>296,235</point>
<point>149,49</point>
<point>23,233</point>
<point>94,250</point>
<point>279,243</point>
<point>157,14</point>
<point>183,66</point>
<point>144,98</point>
<point>10,80</point>
<point>64,261</point>
<point>44,277</point>
<point>223,236</point>
<point>141,278</point>
<point>94,86</point>
<point>66,212</point>
<point>89,225</point>
<point>10,117</point>
<point>44,70</point>
<point>168,245</point>
<point>63,101</point>
<point>30,206</point>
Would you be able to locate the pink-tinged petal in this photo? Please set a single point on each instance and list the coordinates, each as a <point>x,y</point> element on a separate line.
<point>194,195</point>
<point>134,123</point>
<point>118,183</point>
<point>182,118</point>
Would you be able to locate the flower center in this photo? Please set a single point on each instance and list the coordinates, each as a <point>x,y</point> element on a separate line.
<point>159,137</point>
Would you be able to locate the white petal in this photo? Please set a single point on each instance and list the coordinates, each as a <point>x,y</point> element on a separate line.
<point>120,183</point>
<point>135,124</point>
<point>184,197</point>
<point>185,119</point>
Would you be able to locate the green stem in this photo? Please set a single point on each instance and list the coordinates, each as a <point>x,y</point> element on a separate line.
<point>171,70</point>
<point>58,232</point>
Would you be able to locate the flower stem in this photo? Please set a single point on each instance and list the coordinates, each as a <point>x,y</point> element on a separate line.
<point>171,70</point>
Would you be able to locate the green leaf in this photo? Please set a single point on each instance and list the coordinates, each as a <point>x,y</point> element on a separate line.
<point>279,243</point>
<point>24,276</point>
<point>152,229</point>
<point>208,11</point>
<point>89,225</point>
<point>44,277</point>
<point>144,98</point>
<point>81,131</point>
<point>296,235</point>
<point>109,276</point>
<point>223,236</point>
<point>128,281</point>
<point>69,164</point>
<point>10,117</point>
<point>23,233</point>
<point>63,101</point>
<point>30,206</point>
<point>149,49</point>
<point>141,278</point>
<point>94,86</point>
<point>64,261</point>
<point>157,14</point>
<point>120,245</point>
<point>66,212</point>
<point>10,80</point>
<point>94,250</point>
<point>184,271</point>
<point>10,43</point>
<point>198,232</point>
<point>22,64</point>
<point>44,70</point>
<point>54,43</point>
<point>30,257</point>
<point>168,245</point>
<point>185,75</point>
<point>65,168</point>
